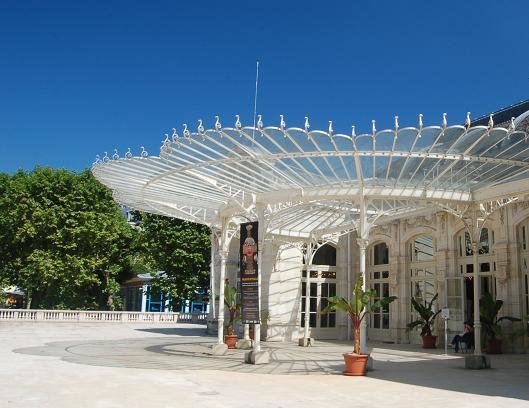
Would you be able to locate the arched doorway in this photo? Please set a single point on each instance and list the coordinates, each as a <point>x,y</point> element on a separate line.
<point>378,271</point>
<point>322,274</point>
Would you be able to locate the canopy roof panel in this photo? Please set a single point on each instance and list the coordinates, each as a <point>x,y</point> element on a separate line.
<point>310,181</point>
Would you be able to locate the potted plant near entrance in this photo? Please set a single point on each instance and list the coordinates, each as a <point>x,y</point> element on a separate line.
<point>490,322</point>
<point>357,308</point>
<point>233,305</point>
<point>426,319</point>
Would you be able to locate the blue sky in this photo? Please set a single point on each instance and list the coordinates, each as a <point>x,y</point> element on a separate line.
<point>78,78</point>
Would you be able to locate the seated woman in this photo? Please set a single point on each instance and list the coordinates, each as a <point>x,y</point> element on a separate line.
<point>467,337</point>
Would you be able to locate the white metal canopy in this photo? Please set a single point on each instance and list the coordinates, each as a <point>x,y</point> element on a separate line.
<point>312,182</point>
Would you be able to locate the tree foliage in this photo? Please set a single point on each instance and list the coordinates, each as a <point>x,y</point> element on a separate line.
<point>63,239</point>
<point>180,249</point>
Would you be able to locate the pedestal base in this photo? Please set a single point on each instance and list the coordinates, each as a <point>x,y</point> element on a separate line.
<point>306,342</point>
<point>244,344</point>
<point>369,366</point>
<point>477,362</point>
<point>219,349</point>
<point>260,357</point>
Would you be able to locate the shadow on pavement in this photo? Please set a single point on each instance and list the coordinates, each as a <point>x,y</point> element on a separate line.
<point>408,365</point>
<point>178,331</point>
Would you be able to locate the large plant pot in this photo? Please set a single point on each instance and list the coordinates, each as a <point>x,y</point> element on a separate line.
<point>355,364</point>
<point>231,340</point>
<point>428,342</point>
<point>494,346</point>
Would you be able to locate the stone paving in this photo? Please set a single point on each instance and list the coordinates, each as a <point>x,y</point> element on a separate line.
<point>170,365</point>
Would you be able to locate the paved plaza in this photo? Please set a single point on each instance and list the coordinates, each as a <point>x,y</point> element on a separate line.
<point>169,365</point>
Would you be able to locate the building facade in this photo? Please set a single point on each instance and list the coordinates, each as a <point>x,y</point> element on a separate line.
<point>419,256</point>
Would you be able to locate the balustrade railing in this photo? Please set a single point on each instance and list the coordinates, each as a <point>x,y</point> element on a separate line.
<point>38,315</point>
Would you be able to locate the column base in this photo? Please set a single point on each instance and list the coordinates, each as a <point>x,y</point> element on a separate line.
<point>244,344</point>
<point>306,342</point>
<point>369,366</point>
<point>219,349</point>
<point>477,362</point>
<point>259,357</point>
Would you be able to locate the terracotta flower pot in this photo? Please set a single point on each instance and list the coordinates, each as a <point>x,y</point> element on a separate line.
<point>494,346</point>
<point>428,342</point>
<point>355,364</point>
<point>231,340</point>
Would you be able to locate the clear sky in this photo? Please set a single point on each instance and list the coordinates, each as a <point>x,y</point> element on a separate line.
<point>78,78</point>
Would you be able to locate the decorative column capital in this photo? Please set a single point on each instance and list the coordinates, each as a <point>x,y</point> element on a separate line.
<point>362,243</point>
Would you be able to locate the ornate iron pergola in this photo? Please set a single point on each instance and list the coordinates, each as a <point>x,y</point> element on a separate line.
<point>304,184</point>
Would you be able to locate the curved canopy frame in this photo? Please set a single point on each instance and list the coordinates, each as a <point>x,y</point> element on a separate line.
<point>313,183</point>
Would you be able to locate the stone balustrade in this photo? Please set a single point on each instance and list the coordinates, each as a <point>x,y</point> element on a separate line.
<point>38,315</point>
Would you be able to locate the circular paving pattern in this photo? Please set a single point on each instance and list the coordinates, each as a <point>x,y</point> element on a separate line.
<point>193,354</point>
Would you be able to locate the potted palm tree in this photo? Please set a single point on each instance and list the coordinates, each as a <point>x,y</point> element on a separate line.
<point>233,305</point>
<point>490,322</point>
<point>425,320</point>
<point>357,308</point>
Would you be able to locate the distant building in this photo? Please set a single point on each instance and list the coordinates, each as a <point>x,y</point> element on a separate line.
<point>14,297</point>
<point>139,296</point>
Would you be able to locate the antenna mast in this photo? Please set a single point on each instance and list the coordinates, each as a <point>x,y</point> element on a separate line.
<point>255,97</point>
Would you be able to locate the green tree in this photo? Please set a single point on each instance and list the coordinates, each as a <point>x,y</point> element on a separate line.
<point>180,249</point>
<point>63,239</point>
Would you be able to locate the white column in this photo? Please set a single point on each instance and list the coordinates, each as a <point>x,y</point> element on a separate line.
<point>220,319</point>
<point>362,243</point>
<point>260,248</point>
<point>308,259</point>
<point>363,233</point>
<point>212,274</point>
<point>349,280</point>
<point>246,331</point>
<point>223,255</point>
<point>144,298</point>
<point>477,321</point>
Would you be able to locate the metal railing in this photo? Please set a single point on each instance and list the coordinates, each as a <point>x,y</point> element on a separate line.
<point>38,315</point>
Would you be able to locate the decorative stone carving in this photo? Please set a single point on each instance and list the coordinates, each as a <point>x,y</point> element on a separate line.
<point>441,220</point>
<point>502,273</point>
<point>393,279</point>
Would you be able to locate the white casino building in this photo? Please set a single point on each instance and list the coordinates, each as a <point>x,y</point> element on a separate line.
<point>414,210</point>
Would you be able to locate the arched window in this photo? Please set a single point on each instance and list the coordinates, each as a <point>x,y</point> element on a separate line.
<point>465,268</point>
<point>421,266</point>
<point>378,279</point>
<point>318,283</point>
<point>380,254</point>
<point>421,249</point>
<point>486,239</point>
<point>325,255</point>
<point>523,251</point>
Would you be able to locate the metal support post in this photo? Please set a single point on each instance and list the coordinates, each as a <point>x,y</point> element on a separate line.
<point>212,275</point>
<point>349,282</point>
<point>260,247</point>
<point>362,243</point>
<point>477,321</point>
<point>223,255</point>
